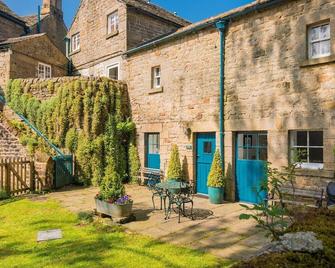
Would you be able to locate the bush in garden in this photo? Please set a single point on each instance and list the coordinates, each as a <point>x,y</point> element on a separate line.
<point>134,163</point>
<point>174,168</point>
<point>89,117</point>
<point>216,176</point>
<point>3,194</point>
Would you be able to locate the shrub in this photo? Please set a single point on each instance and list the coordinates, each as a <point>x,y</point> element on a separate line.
<point>111,188</point>
<point>71,140</point>
<point>216,177</point>
<point>134,163</point>
<point>3,194</point>
<point>174,168</point>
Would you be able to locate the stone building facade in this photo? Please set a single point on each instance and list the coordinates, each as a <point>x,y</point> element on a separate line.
<point>30,56</point>
<point>103,30</point>
<point>278,83</point>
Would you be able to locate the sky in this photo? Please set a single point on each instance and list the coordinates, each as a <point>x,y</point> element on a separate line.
<point>192,10</point>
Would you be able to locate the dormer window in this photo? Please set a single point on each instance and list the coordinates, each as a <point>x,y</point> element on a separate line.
<point>113,23</point>
<point>319,41</point>
<point>75,42</point>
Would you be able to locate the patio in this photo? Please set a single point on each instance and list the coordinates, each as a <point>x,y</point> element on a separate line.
<point>216,228</point>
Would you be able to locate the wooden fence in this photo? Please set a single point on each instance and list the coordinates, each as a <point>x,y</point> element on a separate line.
<point>18,176</point>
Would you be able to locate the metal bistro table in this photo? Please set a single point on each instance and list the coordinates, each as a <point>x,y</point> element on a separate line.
<point>171,188</point>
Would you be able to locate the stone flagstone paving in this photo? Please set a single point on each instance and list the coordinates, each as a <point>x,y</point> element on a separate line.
<point>216,229</point>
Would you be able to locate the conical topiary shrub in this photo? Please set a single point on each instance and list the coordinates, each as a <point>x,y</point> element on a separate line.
<point>215,176</point>
<point>216,181</point>
<point>174,169</point>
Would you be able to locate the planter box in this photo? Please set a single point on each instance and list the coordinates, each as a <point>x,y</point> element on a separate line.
<point>114,210</point>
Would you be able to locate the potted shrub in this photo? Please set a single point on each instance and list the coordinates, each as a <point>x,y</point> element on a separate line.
<point>174,172</point>
<point>215,181</point>
<point>112,200</point>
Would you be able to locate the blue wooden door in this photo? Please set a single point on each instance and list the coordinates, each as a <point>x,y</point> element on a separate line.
<point>251,159</point>
<point>205,148</point>
<point>153,159</point>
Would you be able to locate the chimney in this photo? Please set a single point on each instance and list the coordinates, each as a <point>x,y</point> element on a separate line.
<point>52,7</point>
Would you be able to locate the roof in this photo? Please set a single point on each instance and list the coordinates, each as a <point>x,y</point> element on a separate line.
<point>210,22</point>
<point>156,10</point>
<point>31,20</point>
<point>5,9</point>
<point>10,41</point>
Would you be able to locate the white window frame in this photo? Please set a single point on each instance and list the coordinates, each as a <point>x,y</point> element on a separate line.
<point>156,78</point>
<point>116,65</point>
<point>305,165</point>
<point>75,42</point>
<point>44,75</point>
<point>320,40</point>
<point>113,22</point>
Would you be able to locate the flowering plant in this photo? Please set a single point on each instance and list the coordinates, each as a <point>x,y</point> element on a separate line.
<point>123,200</point>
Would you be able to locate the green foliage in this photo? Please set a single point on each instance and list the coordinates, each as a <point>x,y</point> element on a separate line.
<point>30,142</point>
<point>272,216</point>
<point>111,187</point>
<point>216,176</point>
<point>174,169</point>
<point>134,163</point>
<point>89,117</point>
<point>3,194</point>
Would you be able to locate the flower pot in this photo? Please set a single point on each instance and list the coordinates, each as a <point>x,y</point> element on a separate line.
<point>114,210</point>
<point>216,195</point>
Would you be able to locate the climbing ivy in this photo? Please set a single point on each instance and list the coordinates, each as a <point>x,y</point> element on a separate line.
<point>87,117</point>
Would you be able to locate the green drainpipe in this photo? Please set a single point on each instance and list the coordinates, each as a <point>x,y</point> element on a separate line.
<point>221,26</point>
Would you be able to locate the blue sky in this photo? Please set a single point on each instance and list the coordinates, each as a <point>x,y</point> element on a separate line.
<point>193,10</point>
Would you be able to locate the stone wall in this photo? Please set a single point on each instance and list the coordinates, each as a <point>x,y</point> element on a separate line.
<point>9,29</point>
<point>271,86</point>
<point>27,54</point>
<point>141,28</point>
<point>189,97</point>
<point>4,68</point>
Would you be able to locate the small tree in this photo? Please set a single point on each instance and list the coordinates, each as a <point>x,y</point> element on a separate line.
<point>216,177</point>
<point>134,163</point>
<point>111,187</point>
<point>174,168</point>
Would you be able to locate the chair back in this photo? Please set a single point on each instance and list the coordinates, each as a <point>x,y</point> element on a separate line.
<point>331,194</point>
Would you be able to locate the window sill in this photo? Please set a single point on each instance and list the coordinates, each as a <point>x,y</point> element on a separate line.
<point>310,166</point>
<point>313,62</point>
<point>156,90</point>
<point>74,52</point>
<point>112,34</point>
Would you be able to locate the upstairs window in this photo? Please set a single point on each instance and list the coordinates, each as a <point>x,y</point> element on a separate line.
<point>113,23</point>
<point>44,71</point>
<point>113,72</point>
<point>319,41</point>
<point>308,146</point>
<point>75,42</point>
<point>156,77</point>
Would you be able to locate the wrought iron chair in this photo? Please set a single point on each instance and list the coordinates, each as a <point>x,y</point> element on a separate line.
<point>153,179</point>
<point>180,199</point>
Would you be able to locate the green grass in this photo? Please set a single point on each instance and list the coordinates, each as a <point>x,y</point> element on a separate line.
<point>90,245</point>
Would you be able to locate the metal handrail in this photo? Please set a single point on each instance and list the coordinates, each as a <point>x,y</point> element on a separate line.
<point>34,129</point>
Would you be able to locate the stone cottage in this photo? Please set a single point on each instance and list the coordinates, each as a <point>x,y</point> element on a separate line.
<point>105,29</point>
<point>277,94</point>
<point>26,53</point>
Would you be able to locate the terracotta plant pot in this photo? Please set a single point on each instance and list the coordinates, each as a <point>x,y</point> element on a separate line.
<point>114,210</point>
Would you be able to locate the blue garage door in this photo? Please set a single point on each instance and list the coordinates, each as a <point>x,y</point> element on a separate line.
<point>205,146</point>
<point>251,158</point>
<point>153,159</point>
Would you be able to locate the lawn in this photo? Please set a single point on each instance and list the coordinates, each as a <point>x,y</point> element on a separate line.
<point>83,245</point>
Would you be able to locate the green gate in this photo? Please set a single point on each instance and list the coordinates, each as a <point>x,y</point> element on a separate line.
<point>63,171</point>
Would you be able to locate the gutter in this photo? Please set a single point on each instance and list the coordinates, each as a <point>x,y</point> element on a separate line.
<point>206,24</point>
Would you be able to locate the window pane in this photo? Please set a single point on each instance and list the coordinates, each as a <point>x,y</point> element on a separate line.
<point>263,140</point>
<point>325,47</point>
<point>316,138</point>
<point>315,33</point>
<point>252,154</point>
<point>249,140</point>
<point>207,147</point>
<point>316,155</point>
<point>242,153</point>
<point>300,154</point>
<point>301,138</point>
<point>263,154</point>
<point>315,49</point>
<point>325,31</point>
<point>114,73</point>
